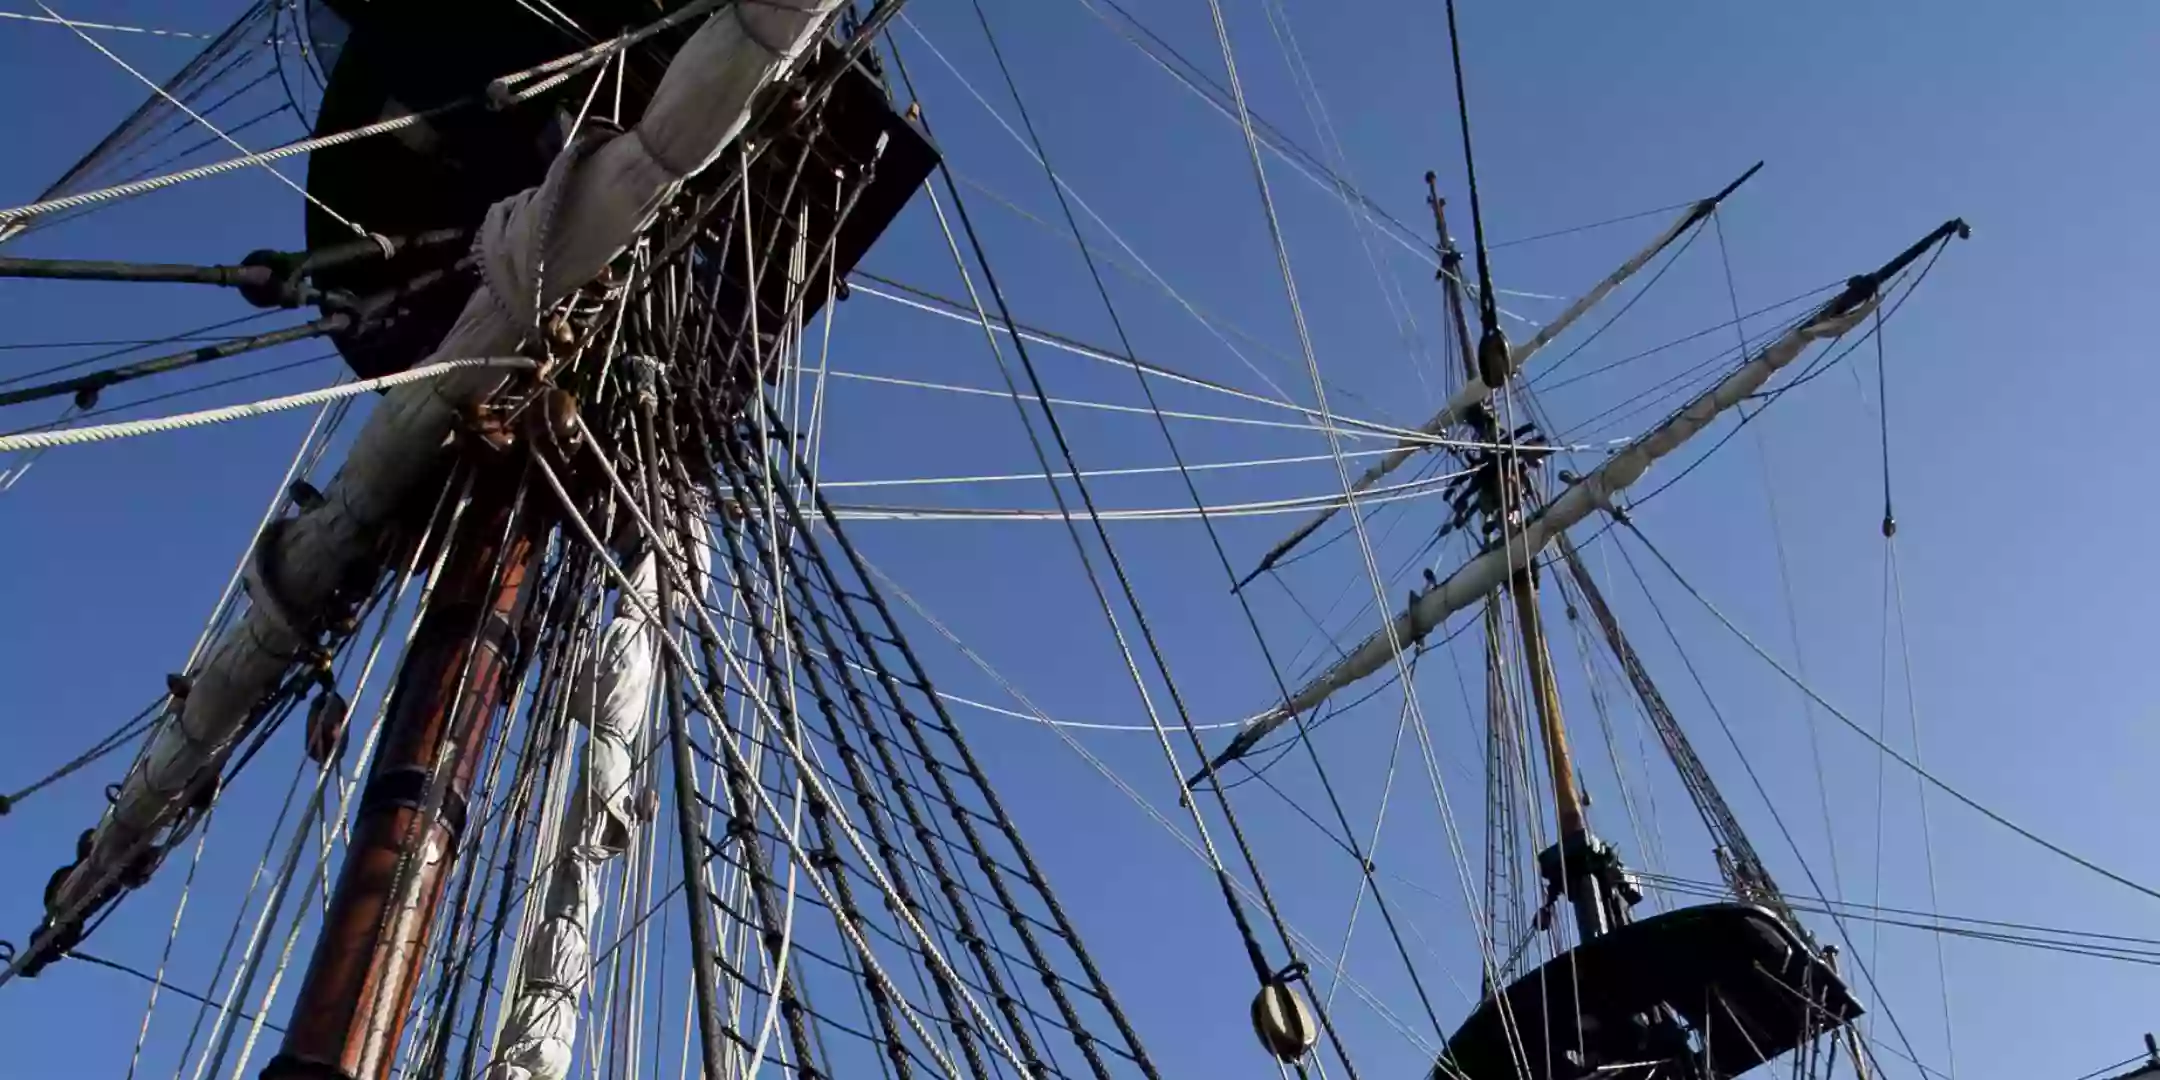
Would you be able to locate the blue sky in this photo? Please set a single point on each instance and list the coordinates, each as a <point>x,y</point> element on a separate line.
<point>2017,398</point>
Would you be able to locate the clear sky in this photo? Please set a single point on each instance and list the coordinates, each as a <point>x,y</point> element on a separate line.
<point>2018,395</point>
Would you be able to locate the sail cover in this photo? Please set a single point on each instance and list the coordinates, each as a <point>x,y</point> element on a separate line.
<point>536,247</point>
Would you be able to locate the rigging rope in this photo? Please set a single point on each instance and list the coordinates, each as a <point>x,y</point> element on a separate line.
<point>1488,312</point>
<point>679,657</point>
<point>1215,540</point>
<point>1102,769</point>
<point>1888,751</point>
<point>1254,953</point>
<point>50,20</point>
<point>1866,970</point>
<point>156,425</point>
<point>1785,580</point>
<point>127,731</point>
<point>197,117</point>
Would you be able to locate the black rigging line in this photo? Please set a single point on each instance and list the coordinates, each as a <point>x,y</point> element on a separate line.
<point>1633,298</point>
<point>1488,307</point>
<point>1349,837</point>
<point>1755,779</point>
<point>1692,884</point>
<point>153,980</point>
<point>86,387</point>
<point>2124,1063</point>
<point>121,736</point>
<point>138,343</point>
<point>772,552</point>
<point>2116,953</point>
<point>1572,229</point>
<point>200,333</point>
<point>1914,767</point>
<point>154,399</point>
<point>1288,146</point>
<point>1254,953</point>
<point>1188,72</point>
<point>1882,406</point>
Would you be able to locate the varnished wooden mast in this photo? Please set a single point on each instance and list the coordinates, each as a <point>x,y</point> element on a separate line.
<point>350,1015</point>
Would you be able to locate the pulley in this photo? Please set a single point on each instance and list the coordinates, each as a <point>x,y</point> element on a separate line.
<point>304,496</point>
<point>325,726</point>
<point>1282,1020</point>
<point>1492,358</point>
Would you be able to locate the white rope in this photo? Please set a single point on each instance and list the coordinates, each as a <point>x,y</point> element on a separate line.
<point>1090,474</point>
<point>153,183</point>
<point>1082,725</point>
<point>1120,361</point>
<point>158,424</point>
<point>919,384</point>
<point>55,21</point>
<point>1479,920</point>
<point>1409,490</point>
<point>1191,846</point>
<point>766,716</point>
<point>1082,203</point>
<point>292,149</point>
<point>1389,287</point>
<point>501,92</point>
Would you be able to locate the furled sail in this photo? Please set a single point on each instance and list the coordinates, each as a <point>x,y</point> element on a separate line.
<point>1474,390</point>
<point>1491,568</point>
<point>614,702</point>
<point>535,247</point>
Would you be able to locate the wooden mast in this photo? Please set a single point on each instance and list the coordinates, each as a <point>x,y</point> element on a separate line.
<point>350,1014</point>
<point>1576,881</point>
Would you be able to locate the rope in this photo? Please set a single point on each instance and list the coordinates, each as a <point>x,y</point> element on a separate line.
<point>159,424</point>
<point>682,661</point>
<point>1913,766</point>
<point>1785,580</point>
<point>1357,521</point>
<point>1393,493</point>
<point>1113,234</point>
<point>304,146</point>
<point>1214,537</point>
<point>1488,310</point>
<point>198,118</point>
<point>1191,846</point>
<point>1137,470</point>
<point>148,184</point>
<point>1253,950</point>
<point>131,729</point>
<point>55,21</point>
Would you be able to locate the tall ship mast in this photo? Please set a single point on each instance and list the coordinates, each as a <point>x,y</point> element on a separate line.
<point>610,748</point>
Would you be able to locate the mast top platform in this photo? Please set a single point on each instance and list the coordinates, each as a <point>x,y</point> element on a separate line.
<point>397,56</point>
<point>1729,985</point>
